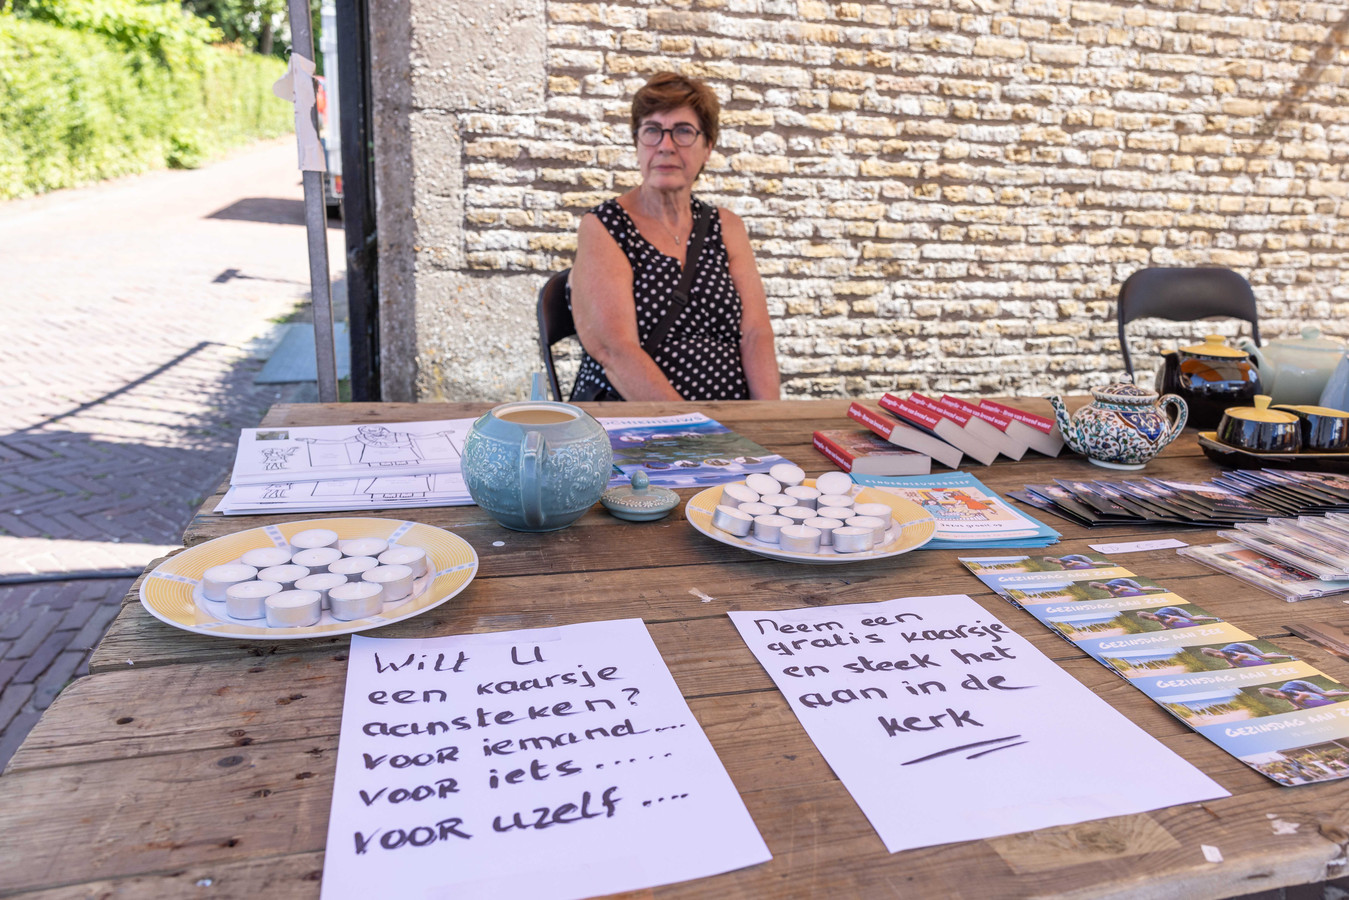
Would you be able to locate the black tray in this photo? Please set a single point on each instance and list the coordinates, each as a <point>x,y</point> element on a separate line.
<point>1235,457</point>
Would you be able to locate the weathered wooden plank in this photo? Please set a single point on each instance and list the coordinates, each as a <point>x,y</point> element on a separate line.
<point>501,602</point>
<point>293,875</point>
<point>220,807</point>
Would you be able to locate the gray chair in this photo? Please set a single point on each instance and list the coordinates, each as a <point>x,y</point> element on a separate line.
<point>555,323</point>
<point>1184,295</point>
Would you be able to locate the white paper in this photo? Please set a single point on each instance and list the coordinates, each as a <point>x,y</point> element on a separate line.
<point>391,492</point>
<point>375,450</point>
<point>579,731</point>
<point>945,725</point>
<point>1137,546</point>
<point>297,87</point>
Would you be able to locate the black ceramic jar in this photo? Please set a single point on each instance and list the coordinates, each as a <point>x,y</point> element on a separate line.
<point>1324,430</point>
<point>1260,429</point>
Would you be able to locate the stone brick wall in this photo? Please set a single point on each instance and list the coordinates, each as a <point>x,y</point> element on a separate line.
<point>942,195</point>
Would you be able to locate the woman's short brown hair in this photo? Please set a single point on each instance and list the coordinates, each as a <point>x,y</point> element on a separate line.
<point>668,91</point>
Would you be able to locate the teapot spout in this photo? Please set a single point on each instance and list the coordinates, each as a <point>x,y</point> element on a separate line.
<point>1066,427</point>
<point>1247,346</point>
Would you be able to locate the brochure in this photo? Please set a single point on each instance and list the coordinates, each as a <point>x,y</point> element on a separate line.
<point>967,513</point>
<point>1275,713</point>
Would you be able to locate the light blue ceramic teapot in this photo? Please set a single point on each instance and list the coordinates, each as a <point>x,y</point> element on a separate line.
<point>536,465</point>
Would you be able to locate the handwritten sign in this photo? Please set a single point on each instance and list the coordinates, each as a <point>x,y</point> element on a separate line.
<point>552,763</point>
<point>945,725</point>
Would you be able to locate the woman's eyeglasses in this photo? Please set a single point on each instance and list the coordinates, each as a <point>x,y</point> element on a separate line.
<point>683,135</point>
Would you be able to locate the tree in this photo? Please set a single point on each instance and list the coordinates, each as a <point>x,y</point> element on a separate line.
<point>252,23</point>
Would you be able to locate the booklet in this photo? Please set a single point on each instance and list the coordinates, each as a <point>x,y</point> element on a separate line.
<point>967,513</point>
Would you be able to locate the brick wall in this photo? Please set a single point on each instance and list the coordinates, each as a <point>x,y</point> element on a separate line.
<point>942,195</point>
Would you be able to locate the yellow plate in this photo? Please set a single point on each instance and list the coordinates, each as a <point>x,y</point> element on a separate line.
<point>172,592</point>
<point>912,528</point>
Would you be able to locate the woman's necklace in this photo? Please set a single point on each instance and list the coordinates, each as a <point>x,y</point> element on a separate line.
<point>674,235</point>
<point>679,241</point>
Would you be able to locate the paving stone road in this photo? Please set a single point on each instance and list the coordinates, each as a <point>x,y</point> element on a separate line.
<point>136,313</point>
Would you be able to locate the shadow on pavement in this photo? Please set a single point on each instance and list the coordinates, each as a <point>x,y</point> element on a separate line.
<point>275,210</point>
<point>168,446</point>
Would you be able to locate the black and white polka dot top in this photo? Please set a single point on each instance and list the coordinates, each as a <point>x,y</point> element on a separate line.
<point>701,352</point>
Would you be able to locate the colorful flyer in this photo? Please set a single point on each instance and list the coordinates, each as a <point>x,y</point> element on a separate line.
<point>1009,565</point>
<point>682,451</point>
<point>1140,616</point>
<point>1142,654</point>
<point>1027,586</point>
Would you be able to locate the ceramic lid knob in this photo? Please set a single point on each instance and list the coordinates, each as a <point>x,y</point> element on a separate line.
<point>639,501</point>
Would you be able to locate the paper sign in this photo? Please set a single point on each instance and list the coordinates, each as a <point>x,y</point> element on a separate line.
<point>555,763</point>
<point>297,87</point>
<point>945,725</point>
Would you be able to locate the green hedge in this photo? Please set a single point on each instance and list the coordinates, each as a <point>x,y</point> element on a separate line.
<point>79,106</point>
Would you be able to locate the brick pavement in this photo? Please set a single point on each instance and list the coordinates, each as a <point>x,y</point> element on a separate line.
<point>136,314</point>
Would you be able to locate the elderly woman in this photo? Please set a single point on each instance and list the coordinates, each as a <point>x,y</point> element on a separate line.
<point>630,258</point>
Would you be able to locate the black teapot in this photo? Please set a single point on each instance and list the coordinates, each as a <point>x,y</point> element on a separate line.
<point>1210,377</point>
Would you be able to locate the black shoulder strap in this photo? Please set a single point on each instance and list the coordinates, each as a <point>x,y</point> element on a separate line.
<point>701,225</point>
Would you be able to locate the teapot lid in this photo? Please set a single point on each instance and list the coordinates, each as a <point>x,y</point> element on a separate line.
<point>1214,345</point>
<point>1261,412</point>
<point>1310,340</point>
<point>1125,391</point>
<point>639,501</point>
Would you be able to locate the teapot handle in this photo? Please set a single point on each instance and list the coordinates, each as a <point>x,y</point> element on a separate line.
<point>531,478</point>
<point>1178,418</point>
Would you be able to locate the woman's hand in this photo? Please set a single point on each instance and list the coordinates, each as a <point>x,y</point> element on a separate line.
<point>605,314</point>
<point>757,352</point>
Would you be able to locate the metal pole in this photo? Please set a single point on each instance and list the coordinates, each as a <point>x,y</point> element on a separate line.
<point>358,197</point>
<point>316,226</point>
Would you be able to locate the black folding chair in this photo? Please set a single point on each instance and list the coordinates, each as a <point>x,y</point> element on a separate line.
<point>555,323</point>
<point>1184,295</point>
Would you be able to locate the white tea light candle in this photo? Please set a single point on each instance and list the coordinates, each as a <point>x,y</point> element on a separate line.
<point>356,600</point>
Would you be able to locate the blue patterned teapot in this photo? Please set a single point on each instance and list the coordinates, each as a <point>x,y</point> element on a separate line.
<point>537,465</point>
<point>1123,427</point>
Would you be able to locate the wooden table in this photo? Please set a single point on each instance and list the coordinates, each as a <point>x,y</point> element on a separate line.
<point>198,766</point>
